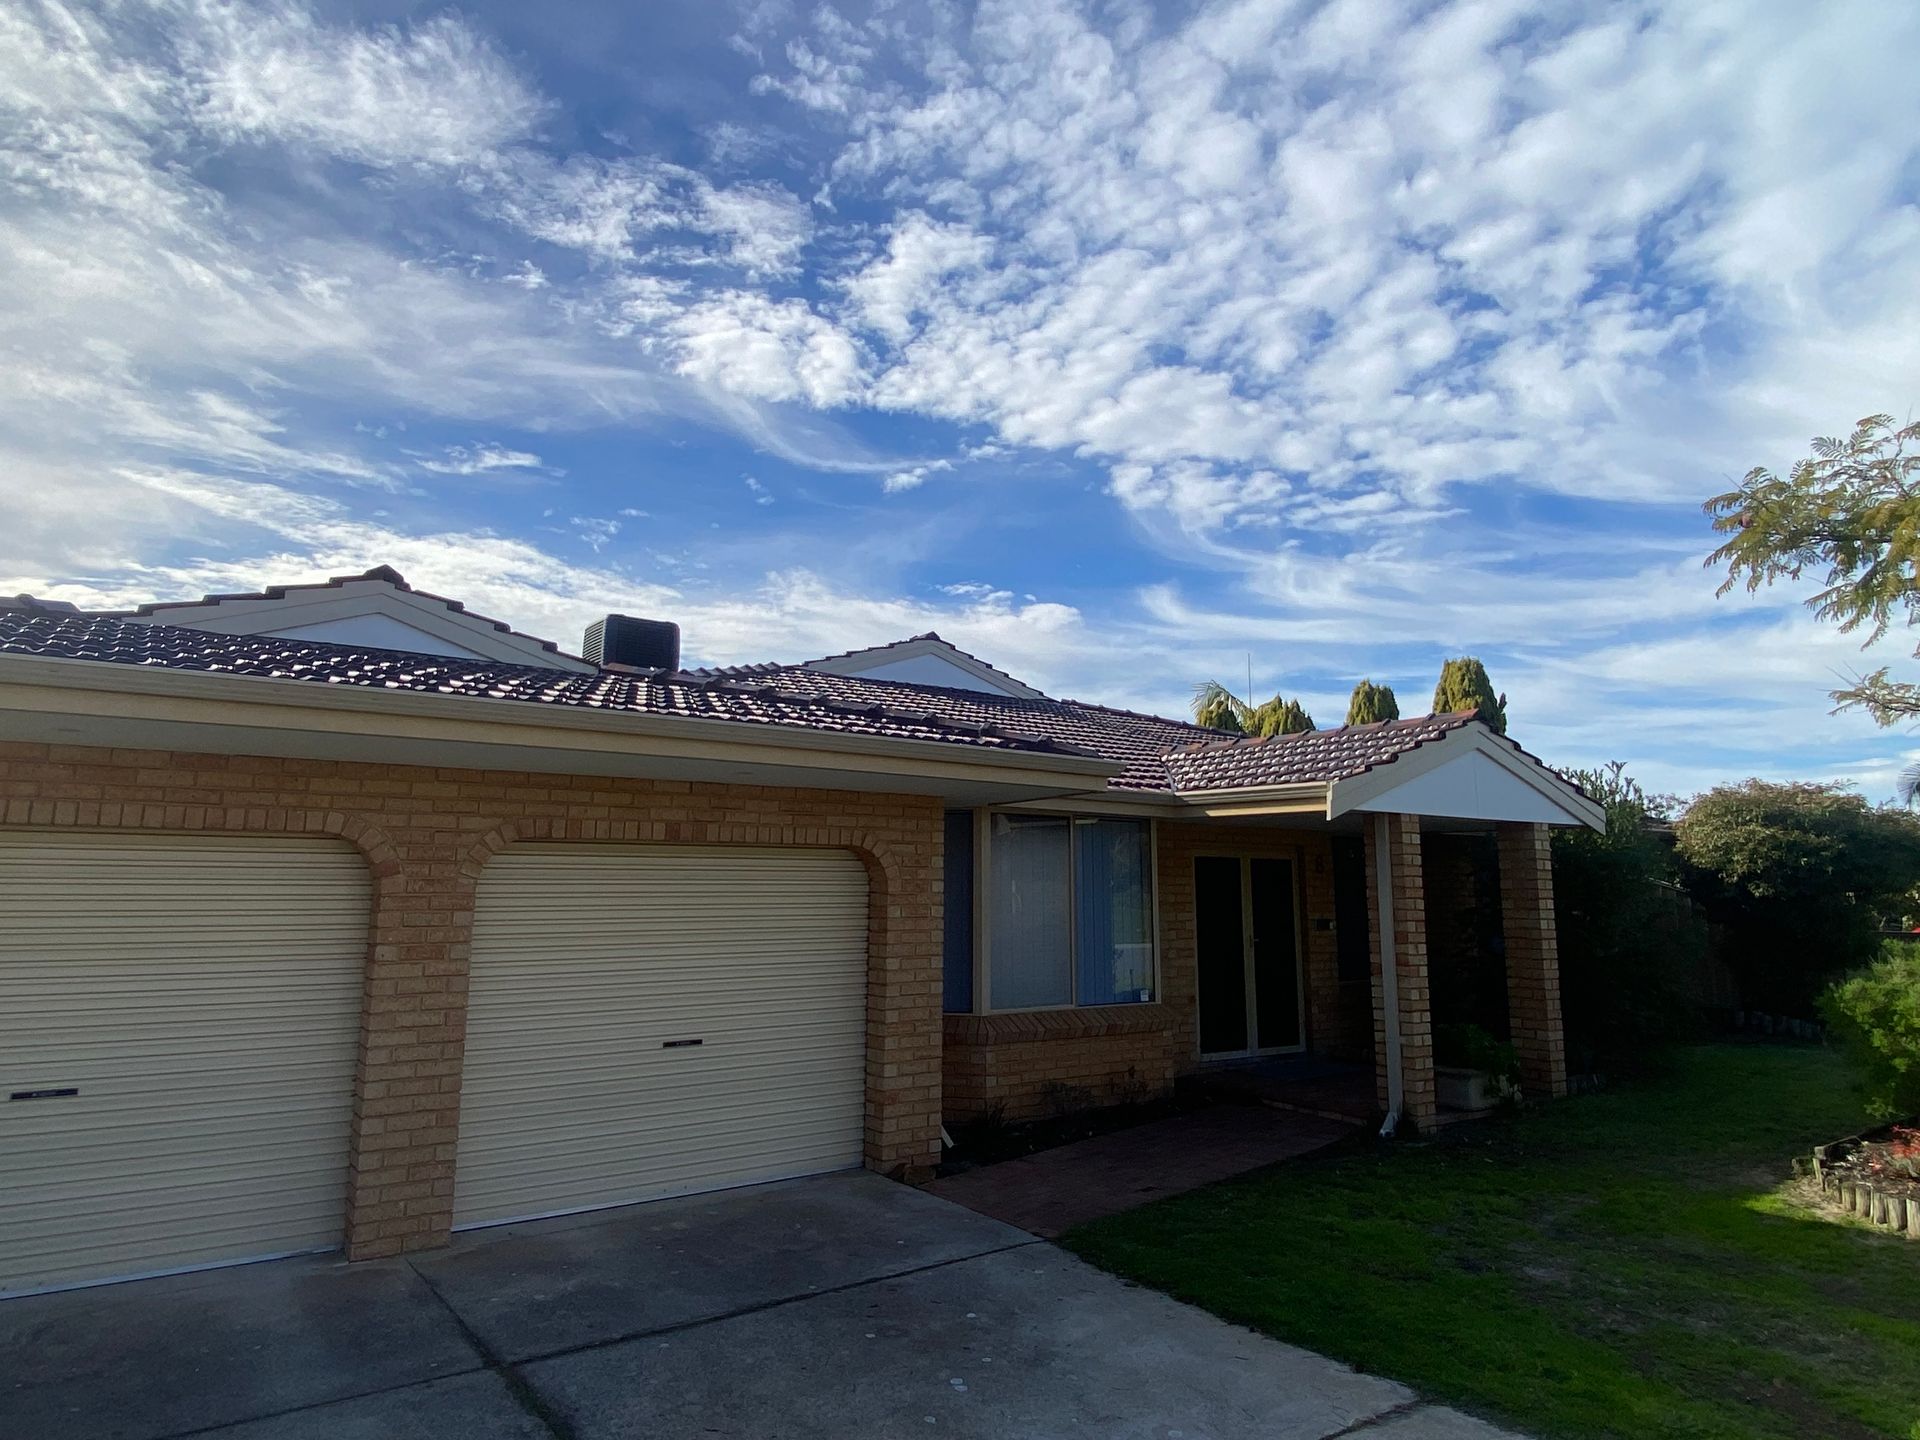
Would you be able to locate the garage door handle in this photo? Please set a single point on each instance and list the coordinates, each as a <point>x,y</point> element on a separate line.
<point>681,1044</point>
<point>45,1094</point>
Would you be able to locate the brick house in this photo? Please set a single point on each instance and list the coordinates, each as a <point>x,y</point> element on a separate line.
<point>339,916</point>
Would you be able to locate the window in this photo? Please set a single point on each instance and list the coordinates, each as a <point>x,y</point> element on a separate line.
<point>1071,911</point>
<point>1031,925</point>
<point>1113,912</point>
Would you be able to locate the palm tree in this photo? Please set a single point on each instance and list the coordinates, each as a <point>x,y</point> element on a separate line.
<point>1219,708</point>
<point>1907,787</point>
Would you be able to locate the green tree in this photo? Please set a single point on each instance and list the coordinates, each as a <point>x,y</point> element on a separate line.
<point>1802,876</point>
<point>1464,686</point>
<point>1851,509</point>
<point>1216,706</point>
<point>1628,934</point>
<point>1371,704</point>
<point>1281,717</point>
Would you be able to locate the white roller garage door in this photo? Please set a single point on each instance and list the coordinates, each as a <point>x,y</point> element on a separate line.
<point>649,1020</point>
<point>178,1022</point>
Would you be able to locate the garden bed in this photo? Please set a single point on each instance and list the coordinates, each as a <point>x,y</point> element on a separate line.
<point>1874,1177</point>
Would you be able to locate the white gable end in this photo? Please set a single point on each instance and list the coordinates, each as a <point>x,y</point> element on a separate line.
<point>362,610</point>
<point>932,670</point>
<point>926,660</point>
<point>381,632</point>
<point>1470,786</point>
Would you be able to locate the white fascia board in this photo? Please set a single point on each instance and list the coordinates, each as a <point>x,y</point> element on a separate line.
<point>1397,786</point>
<point>31,682</point>
<point>1154,804</point>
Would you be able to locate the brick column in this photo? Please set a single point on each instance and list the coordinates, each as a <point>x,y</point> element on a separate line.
<point>1408,890</point>
<point>1533,958</point>
<point>904,973</point>
<point>406,1111</point>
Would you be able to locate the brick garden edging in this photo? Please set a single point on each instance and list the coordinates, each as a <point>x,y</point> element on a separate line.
<point>1875,1204</point>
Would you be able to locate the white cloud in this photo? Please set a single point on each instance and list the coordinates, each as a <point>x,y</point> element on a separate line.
<point>920,257</point>
<point>596,531</point>
<point>912,477</point>
<point>766,349</point>
<point>643,209</point>
<point>432,93</point>
<point>480,460</point>
<point>1396,254</point>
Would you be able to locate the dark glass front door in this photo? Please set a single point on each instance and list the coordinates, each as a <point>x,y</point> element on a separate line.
<point>1247,955</point>
<point>1276,963</point>
<point>1219,921</point>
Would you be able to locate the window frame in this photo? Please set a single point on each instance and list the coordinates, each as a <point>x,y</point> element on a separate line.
<point>983,907</point>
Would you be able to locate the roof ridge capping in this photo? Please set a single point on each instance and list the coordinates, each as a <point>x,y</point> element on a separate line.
<point>1454,718</point>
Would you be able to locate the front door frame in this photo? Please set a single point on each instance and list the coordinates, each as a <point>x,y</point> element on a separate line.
<point>1245,858</point>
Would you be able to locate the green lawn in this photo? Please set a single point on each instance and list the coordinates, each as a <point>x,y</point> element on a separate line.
<point>1618,1265</point>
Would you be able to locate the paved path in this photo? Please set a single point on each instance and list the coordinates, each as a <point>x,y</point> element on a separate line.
<point>1051,1192</point>
<point>838,1308</point>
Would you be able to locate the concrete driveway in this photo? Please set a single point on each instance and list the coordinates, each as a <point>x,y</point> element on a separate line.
<point>837,1307</point>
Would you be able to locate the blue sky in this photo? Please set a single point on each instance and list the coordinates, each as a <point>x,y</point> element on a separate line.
<point>1119,343</point>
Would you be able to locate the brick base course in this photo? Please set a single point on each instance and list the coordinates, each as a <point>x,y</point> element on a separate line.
<point>426,835</point>
<point>1027,1064</point>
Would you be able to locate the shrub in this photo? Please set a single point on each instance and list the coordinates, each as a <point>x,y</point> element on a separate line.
<point>1876,1015</point>
<point>1628,937</point>
<point>1801,876</point>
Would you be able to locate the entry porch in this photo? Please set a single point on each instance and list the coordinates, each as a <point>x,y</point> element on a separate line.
<point>1267,937</point>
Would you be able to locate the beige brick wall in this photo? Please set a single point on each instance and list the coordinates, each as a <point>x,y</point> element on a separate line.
<point>1533,957</point>
<point>427,834</point>
<point>1030,1063</point>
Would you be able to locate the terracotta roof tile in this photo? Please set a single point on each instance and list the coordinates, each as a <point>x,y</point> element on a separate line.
<point>117,642</point>
<point>1310,757</point>
<point>1135,740</point>
<point>1160,755</point>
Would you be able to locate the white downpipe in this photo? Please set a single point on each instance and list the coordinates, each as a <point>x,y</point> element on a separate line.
<point>1389,969</point>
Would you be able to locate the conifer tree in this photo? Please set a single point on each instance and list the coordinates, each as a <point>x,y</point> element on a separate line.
<point>1371,704</point>
<point>1464,686</point>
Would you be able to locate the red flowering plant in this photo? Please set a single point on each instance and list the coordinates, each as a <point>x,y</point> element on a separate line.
<point>1896,1157</point>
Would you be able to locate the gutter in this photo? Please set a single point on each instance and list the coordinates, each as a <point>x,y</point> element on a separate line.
<point>1389,973</point>
<point>1292,790</point>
